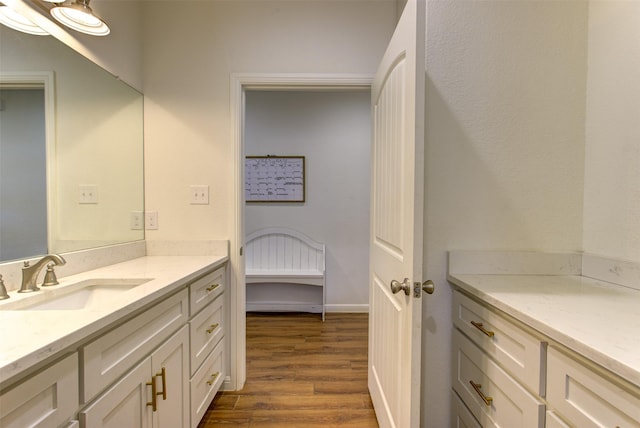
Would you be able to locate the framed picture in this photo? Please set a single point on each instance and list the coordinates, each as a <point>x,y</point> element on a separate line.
<point>274,179</point>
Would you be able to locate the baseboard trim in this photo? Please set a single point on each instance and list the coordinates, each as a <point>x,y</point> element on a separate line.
<point>284,307</point>
<point>354,308</point>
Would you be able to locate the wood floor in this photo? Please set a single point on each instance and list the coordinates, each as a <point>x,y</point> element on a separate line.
<point>301,372</point>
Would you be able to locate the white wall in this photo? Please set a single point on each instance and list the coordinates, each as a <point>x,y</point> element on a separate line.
<point>189,55</point>
<point>612,171</point>
<point>504,147</point>
<point>333,131</point>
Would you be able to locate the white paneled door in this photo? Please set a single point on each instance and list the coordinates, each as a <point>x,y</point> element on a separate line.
<point>395,275</point>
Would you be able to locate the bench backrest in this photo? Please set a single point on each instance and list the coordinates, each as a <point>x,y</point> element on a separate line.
<point>278,248</point>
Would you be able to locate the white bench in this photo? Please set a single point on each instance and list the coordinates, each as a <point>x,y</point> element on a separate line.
<point>278,255</point>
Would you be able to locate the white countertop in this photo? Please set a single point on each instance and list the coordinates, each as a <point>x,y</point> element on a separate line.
<point>596,319</point>
<point>29,337</point>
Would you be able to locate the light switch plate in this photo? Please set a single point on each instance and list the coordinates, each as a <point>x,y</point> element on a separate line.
<point>136,220</point>
<point>151,220</point>
<point>199,194</point>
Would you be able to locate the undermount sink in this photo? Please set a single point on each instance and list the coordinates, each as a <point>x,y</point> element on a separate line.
<point>86,294</point>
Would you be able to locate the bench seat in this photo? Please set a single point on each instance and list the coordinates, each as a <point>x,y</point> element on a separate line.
<point>278,255</point>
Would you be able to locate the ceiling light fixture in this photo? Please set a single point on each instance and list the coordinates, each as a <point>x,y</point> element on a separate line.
<point>13,19</point>
<point>77,14</point>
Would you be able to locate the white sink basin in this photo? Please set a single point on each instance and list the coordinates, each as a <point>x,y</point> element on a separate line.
<point>86,294</point>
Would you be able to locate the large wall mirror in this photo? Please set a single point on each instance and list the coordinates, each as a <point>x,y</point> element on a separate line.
<point>71,151</point>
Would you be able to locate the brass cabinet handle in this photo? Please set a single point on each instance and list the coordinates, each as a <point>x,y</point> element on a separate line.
<point>163,374</point>
<point>213,378</point>
<point>479,326</point>
<point>212,287</point>
<point>154,393</point>
<point>477,386</point>
<point>212,327</point>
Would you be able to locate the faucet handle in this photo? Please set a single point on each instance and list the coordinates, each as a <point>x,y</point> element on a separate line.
<point>50,276</point>
<point>3,290</point>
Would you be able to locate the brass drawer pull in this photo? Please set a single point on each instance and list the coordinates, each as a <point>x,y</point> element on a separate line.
<point>477,386</point>
<point>212,287</point>
<point>163,374</point>
<point>212,327</point>
<point>479,326</point>
<point>154,393</point>
<point>213,378</point>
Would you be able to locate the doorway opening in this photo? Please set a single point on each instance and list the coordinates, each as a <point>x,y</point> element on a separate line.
<point>244,87</point>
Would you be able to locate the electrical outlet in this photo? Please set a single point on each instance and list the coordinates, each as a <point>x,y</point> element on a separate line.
<point>199,194</point>
<point>151,220</point>
<point>136,220</point>
<point>87,194</point>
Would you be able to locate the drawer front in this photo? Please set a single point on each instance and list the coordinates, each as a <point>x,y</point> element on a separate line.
<point>206,382</point>
<point>107,358</point>
<point>519,352</point>
<point>46,399</point>
<point>206,329</point>
<point>206,289</point>
<point>461,417</point>
<point>508,403</point>
<point>586,398</point>
<point>554,421</point>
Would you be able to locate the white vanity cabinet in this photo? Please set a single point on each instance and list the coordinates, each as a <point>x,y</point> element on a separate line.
<point>156,362</point>
<point>46,399</point>
<point>498,368</point>
<point>155,389</point>
<point>153,394</point>
<point>587,396</point>
<point>206,331</point>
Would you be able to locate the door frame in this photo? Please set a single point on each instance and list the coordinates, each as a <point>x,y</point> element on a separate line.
<point>239,84</point>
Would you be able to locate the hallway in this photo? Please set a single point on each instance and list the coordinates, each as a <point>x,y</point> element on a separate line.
<point>301,372</point>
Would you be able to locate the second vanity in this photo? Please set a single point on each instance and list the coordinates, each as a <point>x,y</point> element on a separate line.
<point>152,351</point>
<point>536,343</point>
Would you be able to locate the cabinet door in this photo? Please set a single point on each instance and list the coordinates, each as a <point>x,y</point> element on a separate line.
<point>170,364</point>
<point>587,398</point>
<point>110,356</point>
<point>125,404</point>
<point>48,398</point>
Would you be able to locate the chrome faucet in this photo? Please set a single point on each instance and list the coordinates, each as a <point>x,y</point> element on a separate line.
<point>30,273</point>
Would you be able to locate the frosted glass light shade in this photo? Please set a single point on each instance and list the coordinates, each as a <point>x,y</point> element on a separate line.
<point>77,14</point>
<point>13,19</point>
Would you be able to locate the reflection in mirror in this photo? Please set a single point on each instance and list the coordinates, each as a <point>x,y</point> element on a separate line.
<point>94,153</point>
<point>23,196</point>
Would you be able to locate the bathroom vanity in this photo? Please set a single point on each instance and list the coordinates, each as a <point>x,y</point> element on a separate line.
<point>139,340</point>
<point>537,343</point>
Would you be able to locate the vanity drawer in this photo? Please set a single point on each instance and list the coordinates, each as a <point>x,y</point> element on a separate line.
<point>518,351</point>
<point>507,403</point>
<point>206,289</point>
<point>46,399</point>
<point>587,398</point>
<point>206,382</point>
<point>205,330</point>
<point>111,355</point>
<point>461,417</point>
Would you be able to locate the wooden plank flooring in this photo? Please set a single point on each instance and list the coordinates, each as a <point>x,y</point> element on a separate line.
<point>301,372</point>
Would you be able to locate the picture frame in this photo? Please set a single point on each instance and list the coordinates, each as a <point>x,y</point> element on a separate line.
<point>274,179</point>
